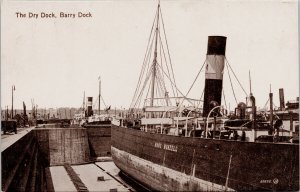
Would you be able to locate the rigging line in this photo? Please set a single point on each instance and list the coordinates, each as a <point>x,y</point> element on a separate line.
<point>95,102</point>
<point>231,83</point>
<point>200,98</point>
<point>202,94</point>
<point>148,91</point>
<point>146,80</point>
<point>148,66</point>
<point>160,83</point>
<point>265,107</point>
<point>103,101</point>
<point>274,105</point>
<point>156,89</point>
<point>160,48</point>
<point>177,88</point>
<point>168,50</point>
<point>224,99</point>
<point>236,76</point>
<point>147,49</point>
<point>140,100</point>
<point>156,93</point>
<point>161,63</point>
<point>196,78</point>
<point>167,64</point>
<point>194,81</point>
<point>162,87</point>
<point>164,54</point>
<point>160,76</point>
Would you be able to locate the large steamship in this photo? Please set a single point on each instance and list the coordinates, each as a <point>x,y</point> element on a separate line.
<point>172,144</point>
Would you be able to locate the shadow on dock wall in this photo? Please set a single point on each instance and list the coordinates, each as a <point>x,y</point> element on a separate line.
<point>64,145</point>
<point>25,164</point>
<point>99,141</point>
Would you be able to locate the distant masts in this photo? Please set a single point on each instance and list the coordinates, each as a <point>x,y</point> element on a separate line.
<point>99,78</point>
<point>13,88</point>
<point>83,104</point>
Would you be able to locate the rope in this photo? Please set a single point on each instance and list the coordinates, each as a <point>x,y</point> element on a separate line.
<point>162,85</point>
<point>145,74</point>
<point>235,76</point>
<point>103,101</point>
<point>265,107</point>
<point>168,48</point>
<point>224,99</point>
<point>201,97</point>
<point>194,82</point>
<point>196,78</point>
<point>148,90</point>
<point>145,82</point>
<point>161,79</point>
<point>147,66</point>
<point>176,87</point>
<point>145,58</point>
<point>167,65</point>
<point>231,84</point>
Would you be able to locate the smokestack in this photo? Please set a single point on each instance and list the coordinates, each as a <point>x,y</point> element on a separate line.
<point>89,106</point>
<point>214,72</point>
<point>281,99</point>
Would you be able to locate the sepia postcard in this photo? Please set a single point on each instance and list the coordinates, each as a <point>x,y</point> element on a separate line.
<point>151,95</point>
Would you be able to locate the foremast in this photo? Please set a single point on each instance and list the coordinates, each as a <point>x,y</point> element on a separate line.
<point>157,75</point>
<point>154,59</point>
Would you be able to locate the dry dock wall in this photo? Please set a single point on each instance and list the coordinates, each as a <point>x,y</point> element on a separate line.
<point>23,166</point>
<point>25,163</point>
<point>63,145</point>
<point>99,140</point>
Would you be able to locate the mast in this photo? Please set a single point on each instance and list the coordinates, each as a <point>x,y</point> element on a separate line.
<point>99,93</point>
<point>12,101</point>
<point>6,113</point>
<point>155,57</point>
<point>83,103</point>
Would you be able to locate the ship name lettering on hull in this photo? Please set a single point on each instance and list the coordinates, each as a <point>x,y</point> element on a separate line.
<point>157,145</point>
<point>166,146</point>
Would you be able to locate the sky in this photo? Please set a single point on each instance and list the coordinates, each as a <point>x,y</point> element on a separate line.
<point>54,60</point>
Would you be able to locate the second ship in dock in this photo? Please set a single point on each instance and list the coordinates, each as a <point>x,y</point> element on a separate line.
<point>173,145</point>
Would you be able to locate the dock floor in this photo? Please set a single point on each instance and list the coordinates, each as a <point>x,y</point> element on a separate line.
<point>98,176</point>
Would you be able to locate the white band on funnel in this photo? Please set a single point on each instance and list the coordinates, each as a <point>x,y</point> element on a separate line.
<point>214,67</point>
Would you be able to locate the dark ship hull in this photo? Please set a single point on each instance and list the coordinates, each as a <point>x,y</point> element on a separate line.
<point>175,163</point>
<point>156,155</point>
